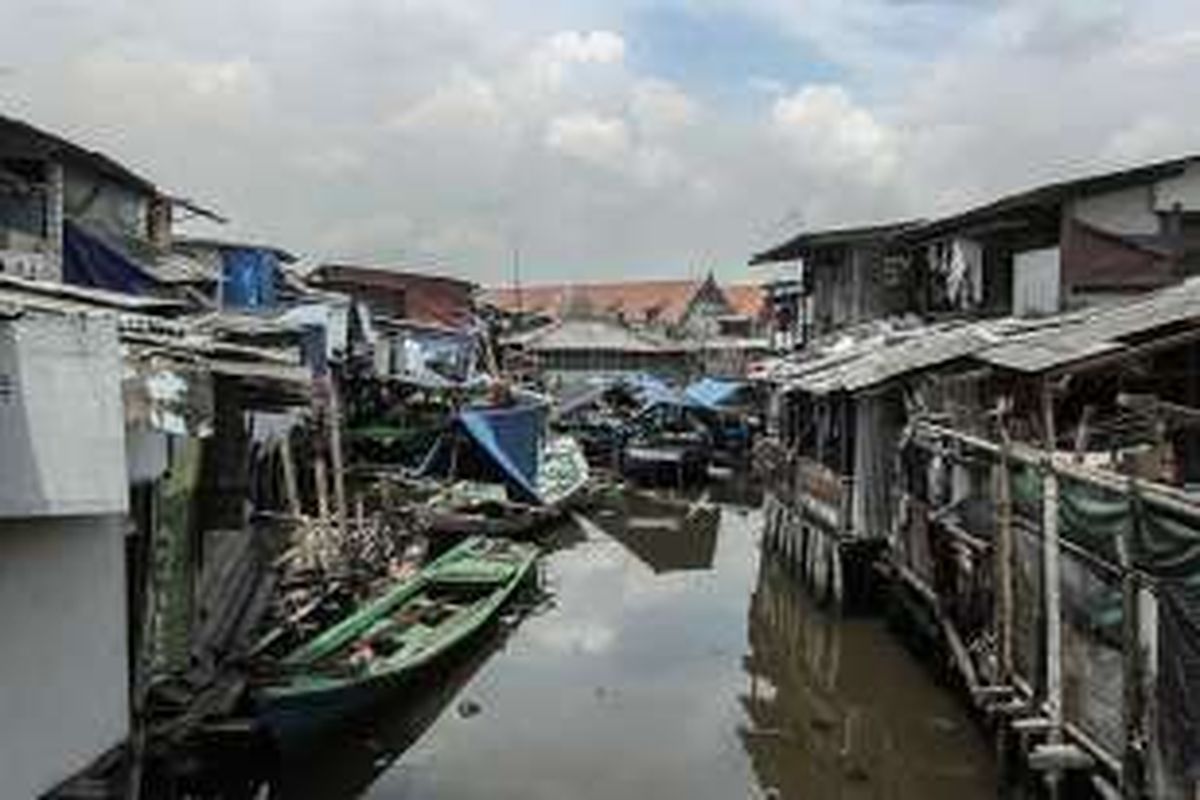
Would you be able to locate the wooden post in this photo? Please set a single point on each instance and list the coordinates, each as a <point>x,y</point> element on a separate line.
<point>321,478</point>
<point>1132,764</point>
<point>1051,579</point>
<point>290,486</point>
<point>1003,561</point>
<point>335,450</point>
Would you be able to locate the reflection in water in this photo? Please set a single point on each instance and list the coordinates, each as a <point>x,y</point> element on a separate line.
<point>670,665</point>
<point>668,534</point>
<point>837,709</point>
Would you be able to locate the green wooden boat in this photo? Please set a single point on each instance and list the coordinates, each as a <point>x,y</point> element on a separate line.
<point>375,650</point>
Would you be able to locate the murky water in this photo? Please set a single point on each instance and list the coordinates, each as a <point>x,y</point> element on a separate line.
<point>673,663</point>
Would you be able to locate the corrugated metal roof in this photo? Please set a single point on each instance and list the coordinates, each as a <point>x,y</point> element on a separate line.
<point>25,288</point>
<point>595,334</point>
<point>806,242</point>
<point>874,362</point>
<point>1079,336</point>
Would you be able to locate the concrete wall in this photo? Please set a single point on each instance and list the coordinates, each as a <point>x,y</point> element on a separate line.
<point>1183,190</point>
<point>63,696</point>
<point>1125,211</point>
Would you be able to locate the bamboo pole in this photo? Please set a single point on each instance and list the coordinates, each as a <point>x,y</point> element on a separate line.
<point>1051,579</point>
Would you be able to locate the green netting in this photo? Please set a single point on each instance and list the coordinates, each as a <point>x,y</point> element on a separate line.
<point>1167,543</point>
<point>1094,518</point>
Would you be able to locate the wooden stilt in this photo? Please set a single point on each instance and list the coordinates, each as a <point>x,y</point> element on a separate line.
<point>1003,562</point>
<point>336,455</point>
<point>1052,577</point>
<point>291,488</point>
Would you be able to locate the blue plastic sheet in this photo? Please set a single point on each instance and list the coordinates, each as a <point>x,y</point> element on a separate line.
<point>90,261</point>
<point>501,444</point>
<point>250,274</point>
<point>713,392</point>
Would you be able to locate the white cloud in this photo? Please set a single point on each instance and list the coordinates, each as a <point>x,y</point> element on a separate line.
<point>825,130</point>
<point>549,63</point>
<point>660,107</point>
<point>600,47</point>
<point>332,161</point>
<point>594,139</point>
<point>455,126</point>
<point>466,102</point>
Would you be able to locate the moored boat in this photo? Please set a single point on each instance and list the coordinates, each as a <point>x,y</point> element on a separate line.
<point>375,650</point>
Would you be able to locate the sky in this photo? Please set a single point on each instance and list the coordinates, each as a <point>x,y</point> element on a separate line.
<point>598,139</point>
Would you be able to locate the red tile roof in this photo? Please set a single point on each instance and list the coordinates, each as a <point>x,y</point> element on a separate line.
<point>662,300</point>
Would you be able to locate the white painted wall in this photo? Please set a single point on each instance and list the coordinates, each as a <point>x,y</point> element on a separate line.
<point>63,696</point>
<point>1036,282</point>
<point>1124,211</point>
<point>62,427</point>
<point>1184,190</point>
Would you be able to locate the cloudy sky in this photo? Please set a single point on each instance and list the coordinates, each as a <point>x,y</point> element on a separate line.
<point>603,138</point>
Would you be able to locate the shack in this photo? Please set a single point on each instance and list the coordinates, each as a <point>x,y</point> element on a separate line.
<point>848,276</point>
<point>1064,245</point>
<point>841,414</point>
<point>75,215</point>
<point>1046,530</point>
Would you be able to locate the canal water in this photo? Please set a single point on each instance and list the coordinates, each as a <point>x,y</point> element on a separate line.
<point>669,659</point>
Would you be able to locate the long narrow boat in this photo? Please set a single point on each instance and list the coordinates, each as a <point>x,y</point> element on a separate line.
<point>372,652</point>
<point>475,508</point>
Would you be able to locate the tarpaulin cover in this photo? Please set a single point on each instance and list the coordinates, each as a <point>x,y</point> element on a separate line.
<point>504,444</point>
<point>650,391</point>
<point>90,261</point>
<point>713,392</point>
<point>250,274</point>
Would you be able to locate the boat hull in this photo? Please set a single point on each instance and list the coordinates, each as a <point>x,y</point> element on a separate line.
<point>297,714</point>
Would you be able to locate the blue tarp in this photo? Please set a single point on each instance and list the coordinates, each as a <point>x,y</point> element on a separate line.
<point>649,391</point>
<point>90,261</point>
<point>713,392</point>
<point>250,275</point>
<point>501,444</point>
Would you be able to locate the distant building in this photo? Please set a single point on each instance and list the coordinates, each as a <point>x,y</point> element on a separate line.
<point>402,294</point>
<point>241,276</point>
<point>425,325</point>
<point>678,308</point>
<point>575,349</point>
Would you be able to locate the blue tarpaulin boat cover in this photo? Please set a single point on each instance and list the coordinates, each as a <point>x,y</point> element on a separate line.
<point>499,444</point>
<point>90,261</point>
<point>713,392</point>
